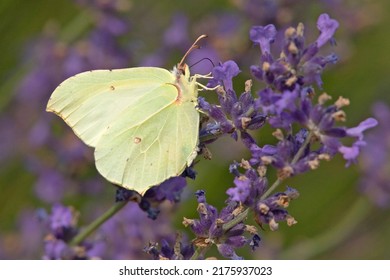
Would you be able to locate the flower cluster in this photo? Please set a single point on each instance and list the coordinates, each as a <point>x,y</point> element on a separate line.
<point>234,114</point>
<point>287,100</point>
<point>306,127</point>
<point>219,229</point>
<point>171,250</point>
<point>249,190</point>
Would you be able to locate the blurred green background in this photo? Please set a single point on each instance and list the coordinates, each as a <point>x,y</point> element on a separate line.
<point>334,220</point>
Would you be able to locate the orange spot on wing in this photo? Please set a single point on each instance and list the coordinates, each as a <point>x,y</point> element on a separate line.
<point>179,93</point>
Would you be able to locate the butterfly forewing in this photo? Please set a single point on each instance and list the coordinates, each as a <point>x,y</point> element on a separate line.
<point>89,102</point>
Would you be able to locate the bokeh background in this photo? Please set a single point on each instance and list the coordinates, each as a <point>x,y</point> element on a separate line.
<point>42,163</point>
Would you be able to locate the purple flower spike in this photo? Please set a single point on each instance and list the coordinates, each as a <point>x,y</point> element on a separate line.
<point>327,26</point>
<point>223,75</point>
<point>209,228</point>
<point>264,36</point>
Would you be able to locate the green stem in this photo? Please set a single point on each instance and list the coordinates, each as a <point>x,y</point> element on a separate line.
<point>195,255</point>
<point>331,238</point>
<point>271,189</point>
<point>97,223</point>
<point>238,219</point>
<point>199,252</point>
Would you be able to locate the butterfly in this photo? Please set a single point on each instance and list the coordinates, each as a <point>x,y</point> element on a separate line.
<point>142,122</point>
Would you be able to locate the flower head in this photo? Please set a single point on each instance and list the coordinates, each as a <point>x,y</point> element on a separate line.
<point>298,64</point>
<point>327,26</point>
<point>223,75</point>
<point>178,250</point>
<point>264,36</point>
<point>210,229</point>
<point>272,209</point>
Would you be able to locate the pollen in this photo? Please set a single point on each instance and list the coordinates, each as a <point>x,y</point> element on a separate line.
<point>278,134</point>
<point>341,102</point>
<point>323,98</point>
<point>248,85</point>
<point>263,208</point>
<point>290,220</point>
<point>290,32</point>
<point>339,116</point>
<point>266,66</point>
<point>292,48</point>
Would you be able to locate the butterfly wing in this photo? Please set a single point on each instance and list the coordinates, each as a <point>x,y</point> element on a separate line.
<point>89,102</point>
<point>138,155</point>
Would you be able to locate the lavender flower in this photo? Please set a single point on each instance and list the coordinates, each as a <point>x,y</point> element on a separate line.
<point>298,64</point>
<point>327,27</point>
<point>223,75</point>
<point>272,209</point>
<point>249,190</point>
<point>209,228</point>
<point>320,121</point>
<point>177,250</point>
<point>235,114</point>
<point>264,36</point>
<point>287,101</point>
<point>250,186</point>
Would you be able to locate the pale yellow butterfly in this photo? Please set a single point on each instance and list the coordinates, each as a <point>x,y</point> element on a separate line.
<point>143,122</point>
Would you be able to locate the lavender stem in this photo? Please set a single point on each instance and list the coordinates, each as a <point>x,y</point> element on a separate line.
<point>97,223</point>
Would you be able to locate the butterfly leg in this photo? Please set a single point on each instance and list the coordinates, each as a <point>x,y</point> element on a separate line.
<point>203,87</point>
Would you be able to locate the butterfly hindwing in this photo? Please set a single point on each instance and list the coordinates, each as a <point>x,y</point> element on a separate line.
<point>148,152</point>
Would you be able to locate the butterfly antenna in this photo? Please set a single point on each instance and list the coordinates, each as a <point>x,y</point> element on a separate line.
<point>193,47</point>
<point>205,58</point>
